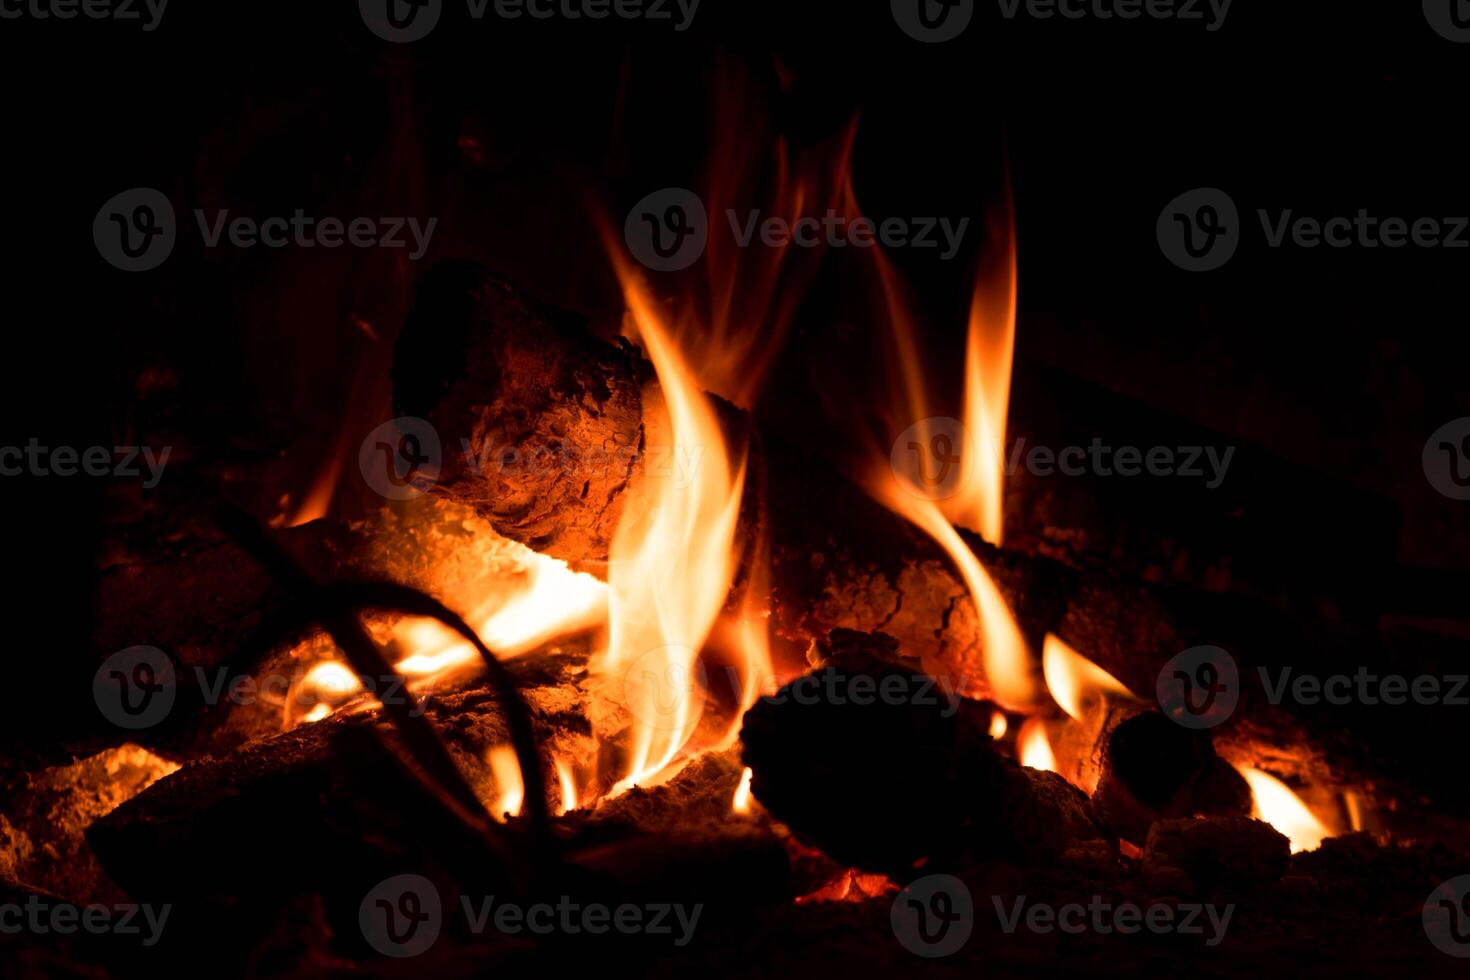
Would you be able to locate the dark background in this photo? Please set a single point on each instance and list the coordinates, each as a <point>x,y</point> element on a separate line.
<point>1342,361</point>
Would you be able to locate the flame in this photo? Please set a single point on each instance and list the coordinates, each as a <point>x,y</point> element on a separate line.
<point>1004,654</point>
<point>673,554</point>
<point>509,787</point>
<point>1033,746</point>
<point>989,352</point>
<point>978,501</point>
<point>1276,804</point>
<point>552,601</point>
<point>568,783</point>
<point>538,600</point>
<point>1077,684</point>
<point>741,801</point>
<point>998,725</point>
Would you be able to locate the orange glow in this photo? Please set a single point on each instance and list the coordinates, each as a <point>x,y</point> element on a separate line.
<point>1276,804</point>
<point>673,554</point>
<point>509,788</point>
<point>741,801</point>
<point>998,725</point>
<point>1077,684</point>
<point>542,600</point>
<point>1033,746</point>
<point>568,784</point>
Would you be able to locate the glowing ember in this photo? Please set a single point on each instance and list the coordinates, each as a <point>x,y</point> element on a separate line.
<point>1077,684</point>
<point>1276,804</point>
<point>672,556</point>
<point>1033,746</point>
<point>510,790</point>
<point>741,801</point>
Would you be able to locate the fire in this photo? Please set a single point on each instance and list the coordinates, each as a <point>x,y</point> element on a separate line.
<point>1077,684</point>
<point>551,601</point>
<point>974,497</point>
<point>568,784</point>
<point>673,554</point>
<point>998,725</point>
<point>989,352</point>
<point>1276,804</point>
<point>741,801</point>
<point>509,787</point>
<point>1034,747</point>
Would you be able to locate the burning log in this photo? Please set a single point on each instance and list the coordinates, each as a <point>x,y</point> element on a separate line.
<point>1154,769</point>
<point>885,771</point>
<point>1206,853</point>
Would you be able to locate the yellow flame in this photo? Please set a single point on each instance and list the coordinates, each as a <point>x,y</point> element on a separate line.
<point>1077,684</point>
<point>672,556</point>
<point>741,801</point>
<point>509,787</point>
<point>568,783</point>
<point>1276,804</point>
<point>989,353</point>
<point>998,725</point>
<point>1033,746</point>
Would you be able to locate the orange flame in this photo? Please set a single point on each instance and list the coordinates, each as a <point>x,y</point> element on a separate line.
<point>568,783</point>
<point>978,500</point>
<point>989,353</point>
<point>509,787</point>
<point>1033,746</point>
<point>672,557</point>
<point>741,801</point>
<point>1276,804</point>
<point>1077,684</point>
<point>998,725</point>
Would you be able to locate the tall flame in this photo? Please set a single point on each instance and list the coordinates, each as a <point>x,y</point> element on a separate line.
<point>672,556</point>
<point>1276,804</point>
<point>989,354</point>
<point>977,503</point>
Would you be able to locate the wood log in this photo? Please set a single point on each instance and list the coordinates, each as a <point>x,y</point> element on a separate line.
<point>880,769</point>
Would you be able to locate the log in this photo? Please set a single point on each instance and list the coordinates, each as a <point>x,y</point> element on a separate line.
<point>883,771</point>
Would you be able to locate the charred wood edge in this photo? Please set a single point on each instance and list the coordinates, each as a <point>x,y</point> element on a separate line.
<point>338,605</point>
